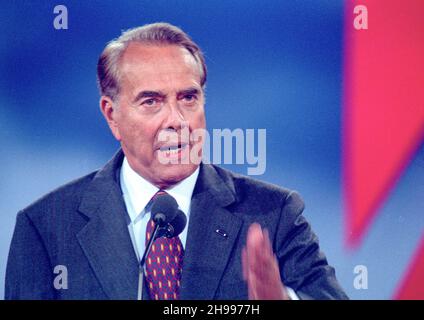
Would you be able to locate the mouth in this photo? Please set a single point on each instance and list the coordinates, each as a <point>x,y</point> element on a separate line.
<point>172,150</point>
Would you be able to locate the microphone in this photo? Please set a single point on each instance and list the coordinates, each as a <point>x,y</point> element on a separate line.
<point>175,227</point>
<point>164,210</point>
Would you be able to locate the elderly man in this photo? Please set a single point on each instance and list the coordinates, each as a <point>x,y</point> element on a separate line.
<point>244,238</point>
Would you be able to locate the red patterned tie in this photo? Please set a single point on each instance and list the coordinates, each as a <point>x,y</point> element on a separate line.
<point>163,265</point>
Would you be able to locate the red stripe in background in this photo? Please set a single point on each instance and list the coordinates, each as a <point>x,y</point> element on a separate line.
<point>383,116</point>
<point>412,286</point>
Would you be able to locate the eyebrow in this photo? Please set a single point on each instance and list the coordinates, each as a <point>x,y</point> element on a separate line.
<point>155,94</point>
<point>188,91</point>
<point>148,94</point>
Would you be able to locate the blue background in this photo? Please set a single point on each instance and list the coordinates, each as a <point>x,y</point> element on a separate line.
<point>275,65</point>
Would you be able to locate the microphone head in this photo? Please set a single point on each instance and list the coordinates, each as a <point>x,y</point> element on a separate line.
<point>178,224</point>
<point>164,209</point>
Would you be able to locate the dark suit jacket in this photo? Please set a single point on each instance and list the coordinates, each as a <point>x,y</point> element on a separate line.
<point>82,226</point>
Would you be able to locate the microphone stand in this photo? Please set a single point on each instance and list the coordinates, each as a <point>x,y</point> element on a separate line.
<point>159,230</point>
<point>149,245</point>
<point>142,272</point>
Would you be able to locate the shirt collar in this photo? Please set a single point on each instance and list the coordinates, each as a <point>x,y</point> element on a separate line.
<point>138,191</point>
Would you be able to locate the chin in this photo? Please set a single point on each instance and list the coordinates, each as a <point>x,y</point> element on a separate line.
<point>175,173</point>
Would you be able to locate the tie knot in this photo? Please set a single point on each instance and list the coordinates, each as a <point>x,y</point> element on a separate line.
<point>158,194</point>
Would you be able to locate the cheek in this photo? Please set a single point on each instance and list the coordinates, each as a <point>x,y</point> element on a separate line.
<point>199,120</point>
<point>137,134</point>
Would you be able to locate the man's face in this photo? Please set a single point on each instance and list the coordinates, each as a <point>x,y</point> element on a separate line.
<point>160,93</point>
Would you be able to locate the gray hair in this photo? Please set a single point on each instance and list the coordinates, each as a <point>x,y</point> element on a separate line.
<point>155,33</point>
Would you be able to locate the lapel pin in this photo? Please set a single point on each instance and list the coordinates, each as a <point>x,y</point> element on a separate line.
<point>221,233</point>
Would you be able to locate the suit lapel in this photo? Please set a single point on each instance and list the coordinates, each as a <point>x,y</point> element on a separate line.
<point>105,239</point>
<point>107,245</point>
<point>212,233</point>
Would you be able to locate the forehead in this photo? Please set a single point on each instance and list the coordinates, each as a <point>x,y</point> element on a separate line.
<point>158,65</point>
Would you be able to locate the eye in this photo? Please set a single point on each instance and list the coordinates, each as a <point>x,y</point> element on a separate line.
<point>150,102</point>
<point>189,97</point>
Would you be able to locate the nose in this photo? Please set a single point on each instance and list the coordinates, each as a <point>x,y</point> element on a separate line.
<point>175,119</point>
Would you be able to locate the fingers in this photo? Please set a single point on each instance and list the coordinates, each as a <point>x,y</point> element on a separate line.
<point>260,266</point>
<point>258,251</point>
<point>255,250</point>
<point>249,258</point>
<point>267,242</point>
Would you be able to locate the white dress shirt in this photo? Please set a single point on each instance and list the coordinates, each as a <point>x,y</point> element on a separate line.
<point>137,193</point>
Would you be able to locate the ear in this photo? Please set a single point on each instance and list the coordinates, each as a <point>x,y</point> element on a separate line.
<point>110,114</point>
